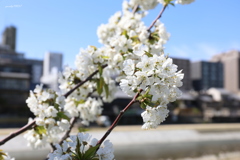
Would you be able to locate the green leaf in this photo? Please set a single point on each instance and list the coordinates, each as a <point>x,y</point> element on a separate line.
<point>81,129</point>
<point>77,150</point>
<point>172,4</point>
<point>169,2</point>
<point>130,50</point>
<point>154,37</point>
<point>40,130</point>
<point>135,39</point>
<point>105,57</point>
<point>95,48</point>
<point>100,84</point>
<point>106,88</point>
<point>61,115</point>
<point>79,102</point>
<point>2,154</point>
<point>139,98</point>
<point>90,153</point>
<point>148,54</point>
<point>124,32</point>
<point>100,69</point>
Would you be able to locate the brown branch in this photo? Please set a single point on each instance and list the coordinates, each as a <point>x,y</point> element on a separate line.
<point>82,82</point>
<point>53,147</point>
<point>73,121</point>
<point>158,17</point>
<point>135,9</point>
<point>114,124</point>
<point>14,134</point>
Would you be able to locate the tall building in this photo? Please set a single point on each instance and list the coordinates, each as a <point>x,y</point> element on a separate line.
<point>184,64</point>
<point>206,75</point>
<point>9,38</point>
<point>52,64</point>
<point>231,62</point>
<point>17,76</point>
<point>36,71</point>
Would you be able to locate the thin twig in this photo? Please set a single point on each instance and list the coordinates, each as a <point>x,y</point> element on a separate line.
<point>82,82</point>
<point>135,9</point>
<point>114,124</point>
<point>73,121</point>
<point>52,146</point>
<point>158,17</point>
<point>14,134</point>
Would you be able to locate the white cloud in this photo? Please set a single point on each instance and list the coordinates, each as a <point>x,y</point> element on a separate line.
<point>208,49</point>
<point>235,45</point>
<point>181,51</point>
<point>200,51</point>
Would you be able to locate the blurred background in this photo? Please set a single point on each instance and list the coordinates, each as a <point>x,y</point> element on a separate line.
<point>39,38</point>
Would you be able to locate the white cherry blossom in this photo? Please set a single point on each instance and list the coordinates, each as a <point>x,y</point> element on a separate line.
<point>153,116</point>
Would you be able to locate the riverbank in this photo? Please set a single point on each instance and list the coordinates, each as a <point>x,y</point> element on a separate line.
<point>166,142</point>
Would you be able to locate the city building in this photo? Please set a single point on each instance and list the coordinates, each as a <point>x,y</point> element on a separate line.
<point>184,64</point>
<point>231,62</point>
<point>52,65</point>
<point>9,38</point>
<point>205,75</point>
<point>18,75</point>
<point>36,71</point>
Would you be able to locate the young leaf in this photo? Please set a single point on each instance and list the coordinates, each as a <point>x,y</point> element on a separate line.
<point>40,129</point>
<point>61,115</point>
<point>135,39</point>
<point>169,2</point>
<point>106,88</point>
<point>77,150</point>
<point>105,57</point>
<point>124,32</point>
<point>143,105</point>
<point>148,54</point>
<point>2,154</point>
<point>95,48</point>
<point>100,84</point>
<point>79,102</point>
<point>90,152</point>
<point>100,70</point>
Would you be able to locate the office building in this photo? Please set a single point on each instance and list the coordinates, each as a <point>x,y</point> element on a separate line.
<point>184,64</point>
<point>9,38</point>
<point>18,75</point>
<point>231,62</point>
<point>52,65</point>
<point>206,75</point>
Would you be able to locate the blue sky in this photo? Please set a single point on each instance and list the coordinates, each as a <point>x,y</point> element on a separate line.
<point>198,30</point>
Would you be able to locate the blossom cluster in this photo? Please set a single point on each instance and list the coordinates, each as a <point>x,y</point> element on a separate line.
<point>140,55</point>
<point>142,59</point>
<point>50,119</point>
<point>153,116</point>
<point>157,76</point>
<point>82,146</point>
<point>78,103</point>
<point>126,33</point>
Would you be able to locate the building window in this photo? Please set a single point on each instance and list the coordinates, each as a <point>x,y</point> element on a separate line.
<point>16,84</point>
